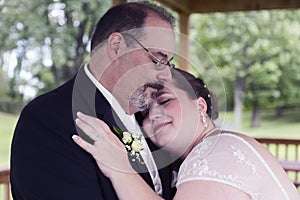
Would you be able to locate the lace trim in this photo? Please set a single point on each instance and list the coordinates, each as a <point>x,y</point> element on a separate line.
<point>200,169</point>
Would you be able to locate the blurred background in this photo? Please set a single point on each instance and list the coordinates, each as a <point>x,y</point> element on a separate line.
<point>44,43</point>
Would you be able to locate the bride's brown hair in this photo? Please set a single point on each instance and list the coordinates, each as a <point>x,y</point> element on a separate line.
<point>195,88</point>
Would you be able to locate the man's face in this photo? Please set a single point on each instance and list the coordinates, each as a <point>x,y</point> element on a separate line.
<point>145,66</point>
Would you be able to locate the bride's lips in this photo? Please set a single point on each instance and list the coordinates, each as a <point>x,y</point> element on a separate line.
<point>158,127</point>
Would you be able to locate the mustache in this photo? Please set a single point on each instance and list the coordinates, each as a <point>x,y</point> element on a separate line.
<point>154,85</point>
<point>143,98</point>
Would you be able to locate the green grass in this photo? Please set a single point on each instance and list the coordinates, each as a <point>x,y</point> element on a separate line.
<point>7,126</point>
<point>287,126</point>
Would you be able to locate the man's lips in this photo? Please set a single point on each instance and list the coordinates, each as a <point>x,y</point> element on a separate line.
<point>158,127</point>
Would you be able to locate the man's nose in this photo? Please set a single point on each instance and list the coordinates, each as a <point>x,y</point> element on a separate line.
<point>165,75</point>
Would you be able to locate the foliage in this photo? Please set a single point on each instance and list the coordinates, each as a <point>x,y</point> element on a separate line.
<point>257,53</point>
<point>9,102</point>
<point>4,87</point>
<point>48,38</point>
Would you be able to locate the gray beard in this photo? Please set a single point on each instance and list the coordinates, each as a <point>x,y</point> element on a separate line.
<point>141,100</point>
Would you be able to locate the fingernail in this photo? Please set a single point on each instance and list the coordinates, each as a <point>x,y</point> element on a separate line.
<point>74,137</point>
<point>79,114</point>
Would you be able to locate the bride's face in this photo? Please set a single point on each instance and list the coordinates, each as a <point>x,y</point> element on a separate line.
<point>172,120</point>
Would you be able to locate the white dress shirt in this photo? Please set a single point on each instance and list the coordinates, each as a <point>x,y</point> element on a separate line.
<point>132,126</point>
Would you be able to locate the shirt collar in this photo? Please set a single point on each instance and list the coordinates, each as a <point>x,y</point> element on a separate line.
<point>109,97</point>
<point>112,100</point>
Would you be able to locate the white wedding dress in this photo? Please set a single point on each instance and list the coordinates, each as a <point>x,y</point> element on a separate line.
<point>229,159</point>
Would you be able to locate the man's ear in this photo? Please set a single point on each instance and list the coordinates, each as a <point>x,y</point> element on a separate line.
<point>116,43</point>
<point>202,106</point>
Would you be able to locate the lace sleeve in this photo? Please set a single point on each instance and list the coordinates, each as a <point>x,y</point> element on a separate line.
<point>229,159</point>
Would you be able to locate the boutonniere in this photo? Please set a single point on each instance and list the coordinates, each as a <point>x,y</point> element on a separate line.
<point>132,143</point>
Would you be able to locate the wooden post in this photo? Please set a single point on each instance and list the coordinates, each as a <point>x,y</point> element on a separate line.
<point>184,20</point>
<point>4,179</point>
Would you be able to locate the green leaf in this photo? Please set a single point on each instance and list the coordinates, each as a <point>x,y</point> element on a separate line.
<point>118,131</point>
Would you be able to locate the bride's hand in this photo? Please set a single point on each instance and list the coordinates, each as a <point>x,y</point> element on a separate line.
<point>108,151</point>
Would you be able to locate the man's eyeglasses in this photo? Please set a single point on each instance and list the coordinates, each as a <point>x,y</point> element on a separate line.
<point>161,64</point>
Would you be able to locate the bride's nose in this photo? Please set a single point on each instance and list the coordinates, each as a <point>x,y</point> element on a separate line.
<point>155,113</point>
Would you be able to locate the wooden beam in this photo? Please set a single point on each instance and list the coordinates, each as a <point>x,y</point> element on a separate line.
<point>204,6</point>
<point>207,6</point>
<point>116,2</point>
<point>177,6</point>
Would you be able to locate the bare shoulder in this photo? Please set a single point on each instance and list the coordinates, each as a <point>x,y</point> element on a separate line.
<point>209,190</point>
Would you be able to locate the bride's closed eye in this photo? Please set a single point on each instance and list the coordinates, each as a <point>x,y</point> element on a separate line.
<point>160,101</point>
<point>165,99</point>
<point>163,102</point>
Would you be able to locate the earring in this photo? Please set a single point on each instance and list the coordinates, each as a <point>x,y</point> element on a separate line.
<point>204,120</point>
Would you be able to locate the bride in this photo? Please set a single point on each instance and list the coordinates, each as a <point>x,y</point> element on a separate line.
<point>217,164</point>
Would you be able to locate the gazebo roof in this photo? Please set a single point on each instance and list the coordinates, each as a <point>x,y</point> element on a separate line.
<point>206,6</point>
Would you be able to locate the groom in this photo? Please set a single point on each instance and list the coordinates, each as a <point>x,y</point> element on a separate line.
<point>45,163</point>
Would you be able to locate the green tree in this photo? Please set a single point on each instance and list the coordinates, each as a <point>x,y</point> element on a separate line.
<point>50,38</point>
<point>254,51</point>
<point>4,84</point>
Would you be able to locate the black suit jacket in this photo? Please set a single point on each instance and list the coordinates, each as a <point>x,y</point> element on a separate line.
<point>45,162</point>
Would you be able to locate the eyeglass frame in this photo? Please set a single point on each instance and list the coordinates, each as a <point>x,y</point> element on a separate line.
<point>160,63</point>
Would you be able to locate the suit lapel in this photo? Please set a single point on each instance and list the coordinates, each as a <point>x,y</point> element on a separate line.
<point>89,100</point>
<point>83,99</point>
<point>109,116</point>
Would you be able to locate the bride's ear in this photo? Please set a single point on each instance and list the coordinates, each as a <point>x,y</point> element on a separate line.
<point>202,106</point>
<point>116,43</point>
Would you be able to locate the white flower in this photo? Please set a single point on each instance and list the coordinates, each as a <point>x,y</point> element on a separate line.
<point>137,146</point>
<point>127,138</point>
<point>132,143</point>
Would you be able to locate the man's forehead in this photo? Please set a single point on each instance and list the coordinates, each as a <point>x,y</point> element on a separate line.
<point>159,38</point>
